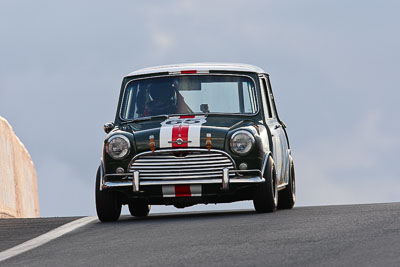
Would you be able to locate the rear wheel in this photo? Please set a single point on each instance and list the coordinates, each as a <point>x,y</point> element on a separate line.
<point>139,208</point>
<point>287,197</point>
<point>108,206</point>
<point>266,198</point>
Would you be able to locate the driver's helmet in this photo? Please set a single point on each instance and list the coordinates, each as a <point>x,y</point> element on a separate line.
<point>164,98</point>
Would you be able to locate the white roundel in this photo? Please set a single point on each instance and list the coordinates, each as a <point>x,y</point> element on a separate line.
<point>171,121</point>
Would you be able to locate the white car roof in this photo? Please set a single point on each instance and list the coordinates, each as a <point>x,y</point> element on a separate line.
<point>200,67</point>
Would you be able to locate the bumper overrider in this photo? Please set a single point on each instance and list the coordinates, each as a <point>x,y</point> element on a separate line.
<point>181,172</point>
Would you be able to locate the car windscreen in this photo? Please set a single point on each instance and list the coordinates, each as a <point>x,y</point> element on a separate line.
<point>188,94</point>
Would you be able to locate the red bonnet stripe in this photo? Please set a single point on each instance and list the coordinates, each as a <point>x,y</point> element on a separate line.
<point>187,117</point>
<point>180,131</point>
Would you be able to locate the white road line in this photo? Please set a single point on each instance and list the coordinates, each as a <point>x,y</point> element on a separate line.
<point>44,238</point>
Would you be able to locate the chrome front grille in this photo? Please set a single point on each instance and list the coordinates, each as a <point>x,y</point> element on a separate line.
<point>181,164</point>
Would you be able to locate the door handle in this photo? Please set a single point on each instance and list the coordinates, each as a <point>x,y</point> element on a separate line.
<point>277,126</point>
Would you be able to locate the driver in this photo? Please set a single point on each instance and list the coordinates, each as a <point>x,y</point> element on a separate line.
<point>163,101</point>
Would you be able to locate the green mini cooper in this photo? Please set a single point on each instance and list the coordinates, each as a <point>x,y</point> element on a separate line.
<point>195,133</point>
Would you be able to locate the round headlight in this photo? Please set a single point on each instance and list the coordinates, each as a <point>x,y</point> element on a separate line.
<point>242,142</point>
<point>118,146</point>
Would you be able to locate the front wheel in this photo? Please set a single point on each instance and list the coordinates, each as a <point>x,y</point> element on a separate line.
<point>266,198</point>
<point>108,206</point>
<point>139,208</point>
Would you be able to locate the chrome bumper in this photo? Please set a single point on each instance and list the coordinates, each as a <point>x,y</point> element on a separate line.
<point>133,180</point>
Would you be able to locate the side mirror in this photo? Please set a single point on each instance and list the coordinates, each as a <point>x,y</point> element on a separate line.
<point>108,127</point>
<point>283,124</point>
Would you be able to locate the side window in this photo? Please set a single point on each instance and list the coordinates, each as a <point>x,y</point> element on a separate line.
<point>265,99</point>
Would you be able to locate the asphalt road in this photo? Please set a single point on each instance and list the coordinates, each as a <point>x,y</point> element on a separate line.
<point>313,236</point>
<point>16,231</point>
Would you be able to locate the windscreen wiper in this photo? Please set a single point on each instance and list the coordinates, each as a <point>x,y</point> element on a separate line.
<point>147,118</point>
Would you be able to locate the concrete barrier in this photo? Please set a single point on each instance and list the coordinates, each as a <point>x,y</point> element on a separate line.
<point>18,184</point>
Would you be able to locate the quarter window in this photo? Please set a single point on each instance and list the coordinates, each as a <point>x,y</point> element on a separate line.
<point>272,100</point>
<point>266,100</point>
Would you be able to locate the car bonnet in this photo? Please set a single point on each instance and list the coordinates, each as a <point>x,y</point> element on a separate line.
<point>184,131</point>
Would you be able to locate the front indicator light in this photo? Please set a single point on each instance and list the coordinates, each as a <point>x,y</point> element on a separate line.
<point>120,170</point>
<point>243,166</point>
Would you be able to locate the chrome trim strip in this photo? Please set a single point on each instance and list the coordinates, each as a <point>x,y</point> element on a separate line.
<point>162,171</point>
<point>135,181</point>
<point>116,184</point>
<point>250,180</point>
<point>130,175</point>
<point>174,159</point>
<point>187,156</point>
<point>282,186</point>
<point>245,171</point>
<point>225,179</point>
<point>178,174</point>
<point>264,165</point>
<point>180,177</point>
<point>118,175</point>
<point>154,166</point>
<point>101,175</point>
<point>182,162</point>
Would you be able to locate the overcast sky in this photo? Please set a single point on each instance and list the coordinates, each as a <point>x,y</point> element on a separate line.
<point>334,69</point>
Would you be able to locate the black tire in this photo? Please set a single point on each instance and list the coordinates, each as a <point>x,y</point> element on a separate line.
<point>139,208</point>
<point>108,206</point>
<point>287,196</point>
<point>266,197</point>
